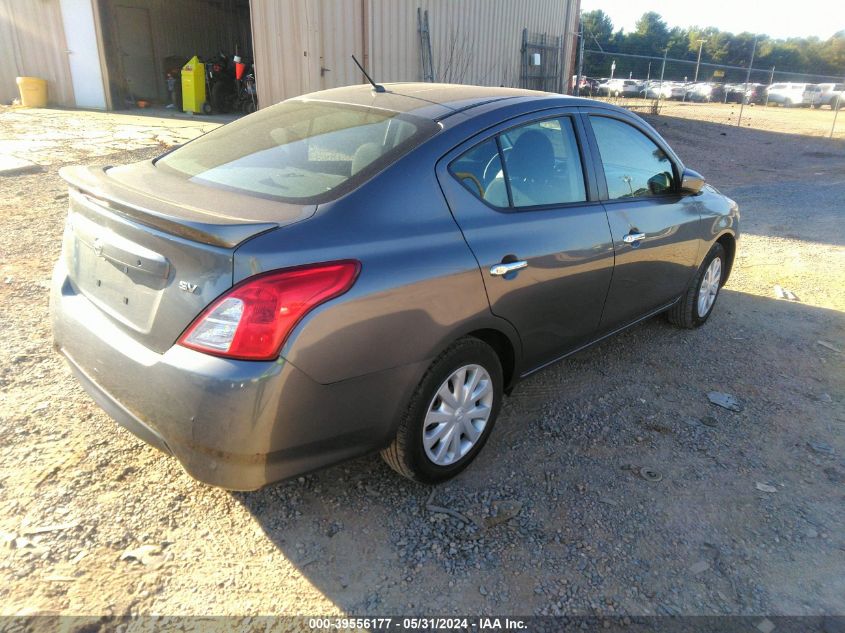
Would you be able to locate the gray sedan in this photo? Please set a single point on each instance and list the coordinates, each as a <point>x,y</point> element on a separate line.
<point>355,271</point>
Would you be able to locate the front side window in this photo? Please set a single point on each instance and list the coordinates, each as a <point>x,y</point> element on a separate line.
<point>542,164</point>
<point>298,151</point>
<point>634,166</point>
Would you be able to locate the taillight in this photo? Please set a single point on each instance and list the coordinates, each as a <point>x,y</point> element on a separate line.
<point>253,320</point>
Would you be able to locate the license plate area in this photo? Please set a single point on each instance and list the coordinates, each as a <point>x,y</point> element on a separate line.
<point>121,277</point>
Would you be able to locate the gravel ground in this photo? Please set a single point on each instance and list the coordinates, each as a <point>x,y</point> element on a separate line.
<point>612,485</point>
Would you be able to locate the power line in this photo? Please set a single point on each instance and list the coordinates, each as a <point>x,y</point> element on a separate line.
<point>710,65</point>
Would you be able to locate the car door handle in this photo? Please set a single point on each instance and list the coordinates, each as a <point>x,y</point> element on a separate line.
<point>633,238</point>
<point>499,270</point>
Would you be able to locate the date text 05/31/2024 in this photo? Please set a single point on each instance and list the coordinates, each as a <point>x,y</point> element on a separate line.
<point>412,624</point>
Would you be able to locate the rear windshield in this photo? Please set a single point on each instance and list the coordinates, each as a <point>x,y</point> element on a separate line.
<point>299,151</point>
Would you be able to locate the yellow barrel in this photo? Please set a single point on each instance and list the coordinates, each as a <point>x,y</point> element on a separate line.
<point>193,85</point>
<point>33,92</point>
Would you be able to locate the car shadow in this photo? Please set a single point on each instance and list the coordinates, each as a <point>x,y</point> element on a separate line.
<point>558,514</point>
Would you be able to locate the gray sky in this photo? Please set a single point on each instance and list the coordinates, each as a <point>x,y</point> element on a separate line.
<point>777,18</point>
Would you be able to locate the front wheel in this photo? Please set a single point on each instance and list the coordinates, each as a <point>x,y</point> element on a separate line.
<point>451,414</point>
<point>695,307</point>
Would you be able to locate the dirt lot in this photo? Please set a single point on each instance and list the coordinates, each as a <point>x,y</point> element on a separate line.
<point>746,518</point>
<point>771,118</point>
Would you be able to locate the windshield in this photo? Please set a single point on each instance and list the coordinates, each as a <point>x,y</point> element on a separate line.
<point>299,151</point>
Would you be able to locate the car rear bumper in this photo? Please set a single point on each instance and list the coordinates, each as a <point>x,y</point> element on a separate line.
<point>233,424</point>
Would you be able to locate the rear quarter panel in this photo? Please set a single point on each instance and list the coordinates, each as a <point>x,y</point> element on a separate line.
<point>419,288</point>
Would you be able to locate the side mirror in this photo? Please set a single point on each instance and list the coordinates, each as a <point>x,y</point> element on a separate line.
<point>691,181</point>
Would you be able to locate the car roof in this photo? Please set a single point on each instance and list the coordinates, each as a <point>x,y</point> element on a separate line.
<point>430,100</point>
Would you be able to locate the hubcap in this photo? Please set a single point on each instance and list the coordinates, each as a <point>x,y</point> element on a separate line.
<point>458,415</point>
<point>709,287</point>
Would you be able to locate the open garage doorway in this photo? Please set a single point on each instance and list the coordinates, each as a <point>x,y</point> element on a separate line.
<point>147,42</point>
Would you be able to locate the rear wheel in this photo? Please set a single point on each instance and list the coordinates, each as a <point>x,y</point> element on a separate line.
<point>695,307</point>
<point>451,414</point>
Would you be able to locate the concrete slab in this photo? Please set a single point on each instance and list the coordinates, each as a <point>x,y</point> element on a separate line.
<point>13,166</point>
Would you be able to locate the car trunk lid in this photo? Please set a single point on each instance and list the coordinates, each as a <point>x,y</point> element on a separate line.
<point>151,250</point>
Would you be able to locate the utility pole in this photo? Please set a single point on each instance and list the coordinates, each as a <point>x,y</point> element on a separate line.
<point>836,105</point>
<point>612,69</point>
<point>662,70</point>
<point>697,63</point>
<point>771,81</point>
<point>580,63</point>
<point>747,78</point>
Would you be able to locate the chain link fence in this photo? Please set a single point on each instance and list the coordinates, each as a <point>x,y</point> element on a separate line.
<point>727,95</point>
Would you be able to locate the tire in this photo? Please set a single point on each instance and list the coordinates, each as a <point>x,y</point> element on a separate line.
<point>206,107</point>
<point>407,454</point>
<point>685,313</point>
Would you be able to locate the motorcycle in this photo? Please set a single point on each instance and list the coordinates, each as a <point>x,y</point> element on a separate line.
<point>220,85</point>
<point>247,97</point>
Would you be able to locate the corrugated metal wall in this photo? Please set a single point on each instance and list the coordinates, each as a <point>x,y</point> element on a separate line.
<point>299,45</point>
<point>32,43</point>
<point>343,35</point>
<point>305,45</point>
<point>472,41</point>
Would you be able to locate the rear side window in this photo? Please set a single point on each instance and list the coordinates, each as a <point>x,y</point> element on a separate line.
<point>634,166</point>
<point>542,166</point>
<point>476,170</point>
<point>298,151</point>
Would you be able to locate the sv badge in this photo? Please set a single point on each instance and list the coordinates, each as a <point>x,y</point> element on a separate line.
<point>187,286</point>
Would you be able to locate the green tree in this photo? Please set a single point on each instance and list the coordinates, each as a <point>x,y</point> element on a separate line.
<point>651,31</point>
<point>598,29</point>
<point>651,37</point>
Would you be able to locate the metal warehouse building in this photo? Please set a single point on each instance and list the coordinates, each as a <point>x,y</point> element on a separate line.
<point>107,53</point>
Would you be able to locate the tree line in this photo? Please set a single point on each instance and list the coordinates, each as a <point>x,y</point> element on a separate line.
<point>652,36</point>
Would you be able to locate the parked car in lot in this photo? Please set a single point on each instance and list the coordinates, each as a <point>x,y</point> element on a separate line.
<point>786,94</point>
<point>678,90</point>
<point>829,94</point>
<point>747,93</point>
<point>735,93</point>
<point>656,89</point>
<point>620,88</point>
<point>811,95</point>
<point>352,271</point>
<point>588,86</point>
<point>698,92</point>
